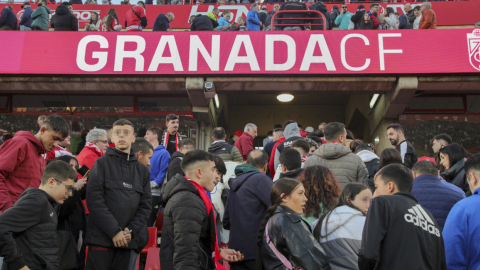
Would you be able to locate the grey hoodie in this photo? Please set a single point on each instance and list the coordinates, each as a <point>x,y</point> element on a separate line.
<point>292,133</point>
<point>345,165</point>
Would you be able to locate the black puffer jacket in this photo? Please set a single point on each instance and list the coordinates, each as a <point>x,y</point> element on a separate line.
<point>28,232</point>
<point>456,176</point>
<point>175,167</point>
<point>292,237</point>
<point>64,20</point>
<point>118,197</point>
<point>186,230</point>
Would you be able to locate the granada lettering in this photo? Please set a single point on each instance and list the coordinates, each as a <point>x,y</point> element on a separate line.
<point>221,58</point>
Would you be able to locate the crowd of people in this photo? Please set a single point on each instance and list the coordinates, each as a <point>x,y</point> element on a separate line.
<point>420,17</point>
<point>309,199</point>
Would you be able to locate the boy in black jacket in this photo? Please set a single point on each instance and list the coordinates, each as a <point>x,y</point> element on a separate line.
<point>399,233</point>
<point>28,230</point>
<point>119,202</point>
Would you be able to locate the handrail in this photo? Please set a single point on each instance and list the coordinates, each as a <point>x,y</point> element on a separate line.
<point>272,24</point>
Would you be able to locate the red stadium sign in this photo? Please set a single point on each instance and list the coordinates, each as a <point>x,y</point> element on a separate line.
<point>443,9</point>
<point>273,52</point>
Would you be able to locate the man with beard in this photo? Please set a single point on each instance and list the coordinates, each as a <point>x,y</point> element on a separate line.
<point>396,135</point>
<point>171,138</point>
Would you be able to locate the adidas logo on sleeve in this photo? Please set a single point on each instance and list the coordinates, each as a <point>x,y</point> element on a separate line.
<point>420,218</point>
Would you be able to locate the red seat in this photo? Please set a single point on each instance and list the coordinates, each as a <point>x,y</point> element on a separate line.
<point>159,223</point>
<point>152,243</point>
<point>153,259</point>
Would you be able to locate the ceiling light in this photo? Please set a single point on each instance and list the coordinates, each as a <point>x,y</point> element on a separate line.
<point>373,100</point>
<point>285,97</point>
<point>217,102</point>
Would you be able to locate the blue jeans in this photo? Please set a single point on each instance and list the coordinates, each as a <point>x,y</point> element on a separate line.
<point>292,28</point>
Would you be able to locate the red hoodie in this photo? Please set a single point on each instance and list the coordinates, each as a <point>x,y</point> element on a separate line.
<point>271,163</point>
<point>245,144</point>
<point>22,161</point>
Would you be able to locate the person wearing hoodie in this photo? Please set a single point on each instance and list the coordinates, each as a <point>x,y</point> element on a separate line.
<point>334,14</point>
<point>366,152</point>
<point>189,228</point>
<point>63,19</point>
<point>345,165</point>
<point>22,158</point>
<point>292,133</point>
<point>26,20</point>
<point>322,8</point>
<point>41,16</point>
<point>462,228</point>
<point>223,149</point>
<point>247,205</point>
<point>343,20</point>
<point>246,141</point>
<point>8,20</point>
<point>159,163</point>
<point>28,229</point>
<point>119,201</point>
<point>174,167</point>
<point>262,15</point>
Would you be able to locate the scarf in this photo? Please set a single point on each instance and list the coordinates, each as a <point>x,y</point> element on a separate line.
<point>95,148</point>
<point>165,141</point>
<point>211,217</point>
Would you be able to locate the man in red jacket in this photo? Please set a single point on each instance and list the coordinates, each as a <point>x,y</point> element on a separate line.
<point>22,159</point>
<point>97,144</point>
<point>245,142</point>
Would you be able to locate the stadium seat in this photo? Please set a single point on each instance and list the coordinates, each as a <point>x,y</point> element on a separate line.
<point>152,243</point>
<point>153,259</point>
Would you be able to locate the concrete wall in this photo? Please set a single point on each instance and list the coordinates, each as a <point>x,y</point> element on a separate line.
<point>266,116</point>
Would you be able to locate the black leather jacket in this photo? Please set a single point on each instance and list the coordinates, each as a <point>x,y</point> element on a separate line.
<point>292,237</point>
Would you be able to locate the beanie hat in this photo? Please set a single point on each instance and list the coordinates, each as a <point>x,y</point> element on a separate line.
<point>335,7</point>
<point>361,7</point>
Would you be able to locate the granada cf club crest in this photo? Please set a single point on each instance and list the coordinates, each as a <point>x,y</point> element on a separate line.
<point>474,48</point>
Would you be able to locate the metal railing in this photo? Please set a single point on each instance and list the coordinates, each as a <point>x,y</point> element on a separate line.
<point>322,17</point>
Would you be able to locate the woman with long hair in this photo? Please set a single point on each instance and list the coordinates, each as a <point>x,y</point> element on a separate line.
<point>110,22</point>
<point>284,234</point>
<point>224,21</point>
<point>453,157</point>
<point>94,24</point>
<point>322,191</point>
<point>391,19</point>
<point>340,231</point>
<point>389,156</point>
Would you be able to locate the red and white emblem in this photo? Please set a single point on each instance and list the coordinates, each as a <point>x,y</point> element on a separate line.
<point>474,48</point>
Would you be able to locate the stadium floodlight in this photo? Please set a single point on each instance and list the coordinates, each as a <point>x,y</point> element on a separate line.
<point>285,97</point>
<point>373,100</point>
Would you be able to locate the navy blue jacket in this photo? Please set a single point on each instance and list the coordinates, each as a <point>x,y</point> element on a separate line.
<point>436,197</point>
<point>404,23</point>
<point>161,23</point>
<point>246,208</point>
<point>26,17</point>
<point>8,18</point>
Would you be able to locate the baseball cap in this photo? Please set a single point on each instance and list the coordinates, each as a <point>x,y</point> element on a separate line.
<point>238,133</point>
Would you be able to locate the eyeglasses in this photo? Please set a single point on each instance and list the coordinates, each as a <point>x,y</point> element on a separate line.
<point>68,188</point>
<point>105,142</point>
<point>344,7</point>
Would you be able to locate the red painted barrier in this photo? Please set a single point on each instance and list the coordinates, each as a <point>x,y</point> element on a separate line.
<point>448,12</point>
<point>262,52</point>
